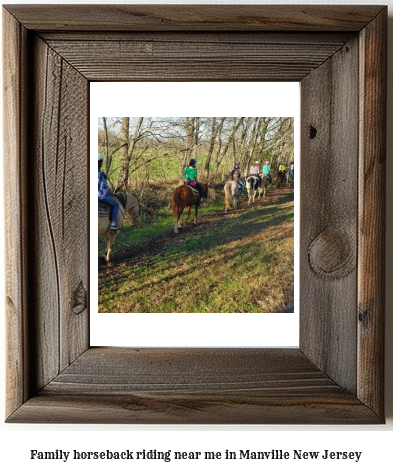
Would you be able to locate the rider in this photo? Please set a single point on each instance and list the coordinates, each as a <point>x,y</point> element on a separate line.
<point>266,171</point>
<point>105,194</point>
<point>254,171</point>
<point>236,175</point>
<point>282,167</point>
<point>190,177</point>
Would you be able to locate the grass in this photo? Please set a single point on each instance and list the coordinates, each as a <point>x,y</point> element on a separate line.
<point>155,217</point>
<point>242,264</point>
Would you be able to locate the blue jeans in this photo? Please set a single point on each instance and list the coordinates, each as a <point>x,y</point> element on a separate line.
<point>115,206</point>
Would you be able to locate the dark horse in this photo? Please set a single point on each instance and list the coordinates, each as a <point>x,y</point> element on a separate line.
<point>280,178</point>
<point>185,196</point>
<point>252,186</point>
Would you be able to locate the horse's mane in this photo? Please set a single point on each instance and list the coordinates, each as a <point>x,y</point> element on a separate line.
<point>122,197</point>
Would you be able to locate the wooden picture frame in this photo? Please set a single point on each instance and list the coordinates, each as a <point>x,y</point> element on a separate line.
<point>338,54</point>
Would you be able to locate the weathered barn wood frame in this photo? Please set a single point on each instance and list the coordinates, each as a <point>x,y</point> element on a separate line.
<point>338,54</point>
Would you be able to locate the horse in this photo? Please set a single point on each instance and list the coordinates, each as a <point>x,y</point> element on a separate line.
<point>253,186</point>
<point>264,184</point>
<point>290,178</point>
<point>128,203</point>
<point>280,178</point>
<point>186,196</point>
<point>232,193</point>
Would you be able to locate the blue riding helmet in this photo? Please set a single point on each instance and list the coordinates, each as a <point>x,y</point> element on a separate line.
<point>193,161</point>
<point>100,157</point>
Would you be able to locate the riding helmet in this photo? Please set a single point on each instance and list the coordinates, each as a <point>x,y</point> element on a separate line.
<point>268,162</point>
<point>237,166</point>
<point>193,161</point>
<point>100,157</point>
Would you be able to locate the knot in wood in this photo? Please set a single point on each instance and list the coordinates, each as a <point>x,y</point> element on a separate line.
<point>313,132</point>
<point>330,254</point>
<point>80,299</point>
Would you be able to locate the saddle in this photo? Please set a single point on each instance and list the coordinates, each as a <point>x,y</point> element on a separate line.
<point>194,190</point>
<point>105,209</point>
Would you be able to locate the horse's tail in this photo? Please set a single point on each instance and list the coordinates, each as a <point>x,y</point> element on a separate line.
<point>227,190</point>
<point>176,204</point>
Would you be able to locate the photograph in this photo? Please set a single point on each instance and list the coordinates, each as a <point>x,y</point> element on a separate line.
<point>196,214</point>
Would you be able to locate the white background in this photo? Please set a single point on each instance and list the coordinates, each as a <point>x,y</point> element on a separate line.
<point>374,441</point>
<point>207,100</point>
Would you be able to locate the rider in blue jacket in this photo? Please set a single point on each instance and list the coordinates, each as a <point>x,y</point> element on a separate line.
<point>105,194</point>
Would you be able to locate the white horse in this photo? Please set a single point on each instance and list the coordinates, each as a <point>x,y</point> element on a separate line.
<point>253,187</point>
<point>290,178</point>
<point>128,203</point>
<point>232,193</point>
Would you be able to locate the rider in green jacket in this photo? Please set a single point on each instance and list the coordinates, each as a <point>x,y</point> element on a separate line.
<point>190,177</point>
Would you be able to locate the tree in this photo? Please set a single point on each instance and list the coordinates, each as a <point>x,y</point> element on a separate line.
<point>127,150</point>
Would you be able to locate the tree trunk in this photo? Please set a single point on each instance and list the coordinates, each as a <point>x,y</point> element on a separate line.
<point>127,149</point>
<point>215,130</point>
<point>253,142</point>
<point>221,156</point>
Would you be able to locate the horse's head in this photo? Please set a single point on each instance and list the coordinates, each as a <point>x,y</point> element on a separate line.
<point>132,205</point>
<point>205,187</point>
<point>121,196</point>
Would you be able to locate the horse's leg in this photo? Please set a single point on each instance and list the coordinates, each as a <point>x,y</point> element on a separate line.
<point>177,220</point>
<point>188,214</point>
<point>196,214</point>
<point>109,244</point>
<point>178,224</point>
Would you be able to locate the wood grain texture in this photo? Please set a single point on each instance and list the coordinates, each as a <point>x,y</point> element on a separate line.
<point>329,187</point>
<point>193,386</point>
<point>59,183</point>
<point>52,374</point>
<point>195,17</point>
<point>372,177</point>
<point>16,259</point>
<point>172,59</point>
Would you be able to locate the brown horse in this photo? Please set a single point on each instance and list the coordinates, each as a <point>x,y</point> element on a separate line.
<point>182,197</point>
<point>280,178</point>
